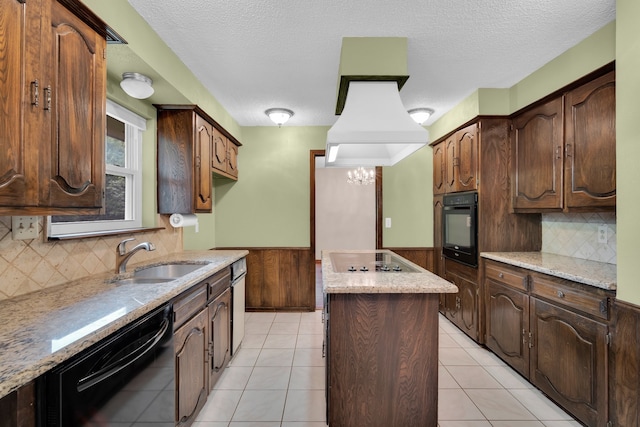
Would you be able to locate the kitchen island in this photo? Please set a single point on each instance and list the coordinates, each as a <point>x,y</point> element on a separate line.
<point>381,323</point>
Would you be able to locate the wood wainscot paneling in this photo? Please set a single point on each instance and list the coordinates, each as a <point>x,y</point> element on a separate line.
<point>624,365</point>
<point>424,257</point>
<point>280,279</point>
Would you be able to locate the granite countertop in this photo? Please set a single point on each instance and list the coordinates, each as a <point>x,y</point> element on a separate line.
<point>42,329</point>
<point>593,273</point>
<point>371,282</point>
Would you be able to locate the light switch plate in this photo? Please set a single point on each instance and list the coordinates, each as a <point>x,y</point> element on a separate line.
<point>387,222</point>
<point>24,227</point>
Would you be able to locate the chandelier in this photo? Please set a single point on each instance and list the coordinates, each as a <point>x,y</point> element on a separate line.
<point>361,176</point>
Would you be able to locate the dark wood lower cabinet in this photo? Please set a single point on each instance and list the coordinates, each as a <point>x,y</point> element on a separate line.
<point>190,343</point>
<point>463,308</point>
<point>382,360</point>
<point>555,333</point>
<point>624,365</point>
<point>18,408</point>
<point>507,325</point>
<point>220,339</point>
<point>569,361</point>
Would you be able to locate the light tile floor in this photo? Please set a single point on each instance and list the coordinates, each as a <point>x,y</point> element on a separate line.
<point>276,379</point>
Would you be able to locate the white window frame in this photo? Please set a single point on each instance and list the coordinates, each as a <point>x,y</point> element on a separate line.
<point>135,125</point>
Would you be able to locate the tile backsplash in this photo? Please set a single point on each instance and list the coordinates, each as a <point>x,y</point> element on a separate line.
<point>29,265</point>
<point>577,235</point>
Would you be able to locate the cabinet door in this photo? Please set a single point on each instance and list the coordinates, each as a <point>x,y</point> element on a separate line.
<point>590,145</point>
<point>467,159</point>
<point>508,311</point>
<point>451,151</point>
<point>219,351</point>
<point>219,160</point>
<point>19,22</point>
<point>190,342</point>
<point>74,98</point>
<point>437,235</point>
<point>461,162</point>
<point>203,185</point>
<point>569,361</point>
<point>232,165</point>
<point>439,168</point>
<point>462,308</point>
<point>537,157</point>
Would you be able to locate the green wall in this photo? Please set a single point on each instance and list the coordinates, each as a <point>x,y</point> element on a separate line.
<point>628,148</point>
<point>269,205</point>
<point>407,194</point>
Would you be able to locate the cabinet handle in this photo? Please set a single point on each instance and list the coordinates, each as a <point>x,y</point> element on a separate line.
<point>531,338</point>
<point>47,93</point>
<point>560,294</point>
<point>501,275</point>
<point>567,150</point>
<point>35,94</point>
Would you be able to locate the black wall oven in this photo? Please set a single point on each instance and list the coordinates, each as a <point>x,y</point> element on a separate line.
<point>459,227</point>
<point>126,379</point>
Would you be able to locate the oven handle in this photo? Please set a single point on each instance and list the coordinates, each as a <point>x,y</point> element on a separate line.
<point>117,366</point>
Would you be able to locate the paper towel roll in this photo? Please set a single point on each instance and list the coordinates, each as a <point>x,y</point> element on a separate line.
<point>187,220</point>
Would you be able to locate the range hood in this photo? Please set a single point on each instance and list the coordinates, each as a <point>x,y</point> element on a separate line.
<point>374,128</point>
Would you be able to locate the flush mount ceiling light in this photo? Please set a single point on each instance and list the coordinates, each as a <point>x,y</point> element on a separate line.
<point>420,115</point>
<point>137,85</point>
<point>279,116</point>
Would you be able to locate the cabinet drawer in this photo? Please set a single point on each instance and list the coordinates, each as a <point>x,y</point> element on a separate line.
<point>218,283</point>
<point>188,305</point>
<point>573,295</point>
<point>507,275</point>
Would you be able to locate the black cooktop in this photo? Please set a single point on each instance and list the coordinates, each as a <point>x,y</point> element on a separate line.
<point>354,262</point>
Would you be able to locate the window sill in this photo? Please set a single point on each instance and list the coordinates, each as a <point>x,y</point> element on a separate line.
<point>73,236</point>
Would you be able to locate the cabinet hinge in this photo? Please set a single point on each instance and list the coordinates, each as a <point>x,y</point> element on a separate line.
<point>608,338</point>
<point>531,343</point>
<point>104,54</point>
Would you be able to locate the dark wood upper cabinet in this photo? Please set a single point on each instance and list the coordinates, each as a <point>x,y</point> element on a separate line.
<point>18,178</point>
<point>76,112</point>
<point>184,170</point>
<point>225,159</point>
<point>537,157</point>
<point>590,142</point>
<point>461,160</point>
<point>564,151</point>
<point>53,102</point>
<point>191,147</point>
<point>439,168</point>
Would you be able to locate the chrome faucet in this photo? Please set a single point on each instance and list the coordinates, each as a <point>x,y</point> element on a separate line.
<point>122,256</point>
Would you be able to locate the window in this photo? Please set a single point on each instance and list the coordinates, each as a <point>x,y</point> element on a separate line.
<point>123,180</point>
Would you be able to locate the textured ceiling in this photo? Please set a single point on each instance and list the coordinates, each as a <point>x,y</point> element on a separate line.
<point>257,54</point>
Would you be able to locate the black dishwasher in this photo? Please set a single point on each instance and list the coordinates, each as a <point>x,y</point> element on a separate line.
<point>124,379</point>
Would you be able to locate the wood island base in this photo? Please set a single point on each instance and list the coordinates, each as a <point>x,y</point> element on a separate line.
<point>382,359</point>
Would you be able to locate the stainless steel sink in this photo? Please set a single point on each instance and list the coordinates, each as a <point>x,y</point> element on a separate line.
<point>166,271</point>
<point>142,280</point>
